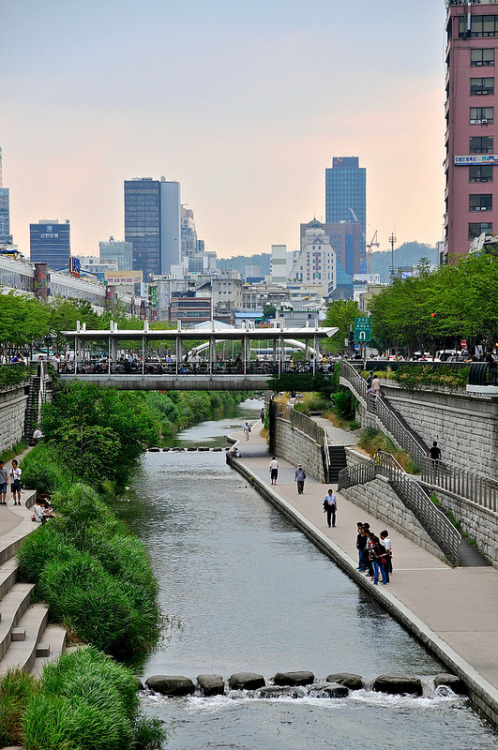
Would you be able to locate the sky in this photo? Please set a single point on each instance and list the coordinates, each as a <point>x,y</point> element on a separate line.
<point>243,103</point>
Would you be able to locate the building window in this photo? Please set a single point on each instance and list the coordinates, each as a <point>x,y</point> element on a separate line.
<point>482,86</point>
<point>481,173</point>
<point>479,57</point>
<point>482,115</point>
<point>481,144</point>
<point>480,26</point>
<point>475,230</point>
<point>478,202</point>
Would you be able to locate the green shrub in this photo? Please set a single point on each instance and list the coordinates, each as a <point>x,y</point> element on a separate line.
<point>16,688</point>
<point>42,471</point>
<point>88,701</point>
<point>344,404</point>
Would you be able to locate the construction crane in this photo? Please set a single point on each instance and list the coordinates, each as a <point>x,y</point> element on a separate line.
<point>373,243</point>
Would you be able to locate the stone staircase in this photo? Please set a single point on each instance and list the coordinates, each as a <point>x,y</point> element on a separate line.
<point>26,641</point>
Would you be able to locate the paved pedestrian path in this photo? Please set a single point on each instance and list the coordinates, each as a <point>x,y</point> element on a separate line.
<point>453,610</point>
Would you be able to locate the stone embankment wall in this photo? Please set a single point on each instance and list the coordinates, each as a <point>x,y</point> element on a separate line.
<point>298,448</point>
<point>380,500</point>
<point>479,523</point>
<point>13,403</point>
<point>465,426</point>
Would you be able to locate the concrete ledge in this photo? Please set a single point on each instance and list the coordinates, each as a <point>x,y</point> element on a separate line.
<point>175,382</point>
<point>483,695</point>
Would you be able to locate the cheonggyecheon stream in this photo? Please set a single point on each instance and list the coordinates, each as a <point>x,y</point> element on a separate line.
<point>252,594</point>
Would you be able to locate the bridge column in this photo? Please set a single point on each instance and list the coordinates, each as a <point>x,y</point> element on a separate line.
<point>179,352</point>
<point>315,346</point>
<point>145,349</point>
<point>211,353</point>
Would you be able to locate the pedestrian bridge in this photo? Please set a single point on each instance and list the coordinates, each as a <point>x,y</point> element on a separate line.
<point>166,360</point>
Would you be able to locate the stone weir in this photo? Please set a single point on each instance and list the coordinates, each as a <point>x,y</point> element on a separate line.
<point>299,684</point>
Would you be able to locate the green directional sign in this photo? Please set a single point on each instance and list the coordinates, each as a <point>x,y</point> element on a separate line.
<point>362,330</point>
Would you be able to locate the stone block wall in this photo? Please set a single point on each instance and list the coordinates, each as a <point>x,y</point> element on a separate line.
<point>297,448</point>
<point>381,501</point>
<point>12,413</point>
<point>479,523</point>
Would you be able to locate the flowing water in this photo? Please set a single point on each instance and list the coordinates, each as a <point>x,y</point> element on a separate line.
<point>253,594</point>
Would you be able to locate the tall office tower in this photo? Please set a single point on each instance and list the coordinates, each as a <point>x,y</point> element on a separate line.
<point>117,252</point>
<point>152,224</point>
<point>471,183</point>
<point>50,243</point>
<point>189,234</point>
<point>5,235</point>
<point>345,239</point>
<point>278,264</point>
<point>345,198</point>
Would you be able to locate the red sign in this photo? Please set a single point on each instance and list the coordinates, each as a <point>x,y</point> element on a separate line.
<point>463,344</point>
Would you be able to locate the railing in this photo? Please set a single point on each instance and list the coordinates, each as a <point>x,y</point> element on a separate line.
<point>191,367</point>
<point>387,416</point>
<point>300,422</point>
<point>479,489</point>
<point>437,525</point>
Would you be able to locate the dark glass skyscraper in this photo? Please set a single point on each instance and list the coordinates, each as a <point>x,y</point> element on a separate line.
<point>49,242</point>
<point>152,224</point>
<point>345,197</point>
<point>5,235</point>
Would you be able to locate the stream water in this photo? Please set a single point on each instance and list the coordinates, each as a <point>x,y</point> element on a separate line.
<point>253,594</point>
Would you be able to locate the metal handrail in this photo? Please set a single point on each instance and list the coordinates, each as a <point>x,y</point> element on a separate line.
<point>479,489</point>
<point>437,525</point>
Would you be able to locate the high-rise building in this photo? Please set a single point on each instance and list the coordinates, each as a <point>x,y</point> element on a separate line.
<point>345,239</point>
<point>50,243</point>
<point>152,224</point>
<point>345,197</point>
<point>5,235</point>
<point>278,264</point>
<point>189,234</point>
<point>117,253</point>
<point>471,194</point>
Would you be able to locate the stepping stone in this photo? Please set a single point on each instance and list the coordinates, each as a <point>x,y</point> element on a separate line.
<point>246,681</point>
<point>170,685</point>
<point>18,634</point>
<point>351,681</point>
<point>294,678</point>
<point>43,649</point>
<point>398,684</point>
<point>211,684</point>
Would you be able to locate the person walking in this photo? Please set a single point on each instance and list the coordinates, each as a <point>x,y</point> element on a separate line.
<point>377,556</point>
<point>299,477</point>
<point>386,542</point>
<point>330,507</point>
<point>15,482</point>
<point>274,467</point>
<point>435,455</point>
<point>3,484</point>
<point>262,414</point>
<point>376,385</point>
<point>361,543</point>
<point>247,429</point>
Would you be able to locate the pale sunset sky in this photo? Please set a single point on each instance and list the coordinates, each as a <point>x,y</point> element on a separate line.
<point>244,103</point>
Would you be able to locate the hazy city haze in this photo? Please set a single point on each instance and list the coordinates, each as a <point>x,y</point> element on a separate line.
<point>243,103</point>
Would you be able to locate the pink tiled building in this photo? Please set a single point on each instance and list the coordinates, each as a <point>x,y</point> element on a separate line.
<point>471,193</point>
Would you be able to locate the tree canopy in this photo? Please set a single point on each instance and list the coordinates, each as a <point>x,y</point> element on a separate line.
<point>340,313</point>
<point>434,308</point>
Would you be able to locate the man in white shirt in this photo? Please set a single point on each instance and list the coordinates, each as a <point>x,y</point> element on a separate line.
<point>274,470</point>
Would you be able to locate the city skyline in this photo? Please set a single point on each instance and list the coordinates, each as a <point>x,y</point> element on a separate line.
<point>245,108</point>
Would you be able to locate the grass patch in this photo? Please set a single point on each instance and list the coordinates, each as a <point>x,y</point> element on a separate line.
<point>7,455</point>
<point>372,440</point>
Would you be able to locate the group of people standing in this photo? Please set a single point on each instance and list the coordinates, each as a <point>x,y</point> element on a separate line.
<point>374,553</point>
<point>14,474</point>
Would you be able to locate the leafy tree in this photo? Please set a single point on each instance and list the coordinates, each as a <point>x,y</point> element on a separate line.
<point>341,314</point>
<point>269,311</point>
<point>22,321</point>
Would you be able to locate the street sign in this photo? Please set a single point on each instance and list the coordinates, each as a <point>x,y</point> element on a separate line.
<point>463,344</point>
<point>363,329</point>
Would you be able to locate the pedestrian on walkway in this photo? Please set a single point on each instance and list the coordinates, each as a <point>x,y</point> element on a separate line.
<point>361,543</point>
<point>386,542</point>
<point>366,554</point>
<point>3,484</point>
<point>247,429</point>
<point>435,455</point>
<point>299,477</point>
<point>15,482</point>
<point>274,467</point>
<point>262,414</point>
<point>377,553</point>
<point>330,507</point>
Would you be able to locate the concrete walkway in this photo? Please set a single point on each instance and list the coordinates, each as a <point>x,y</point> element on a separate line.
<point>454,611</point>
